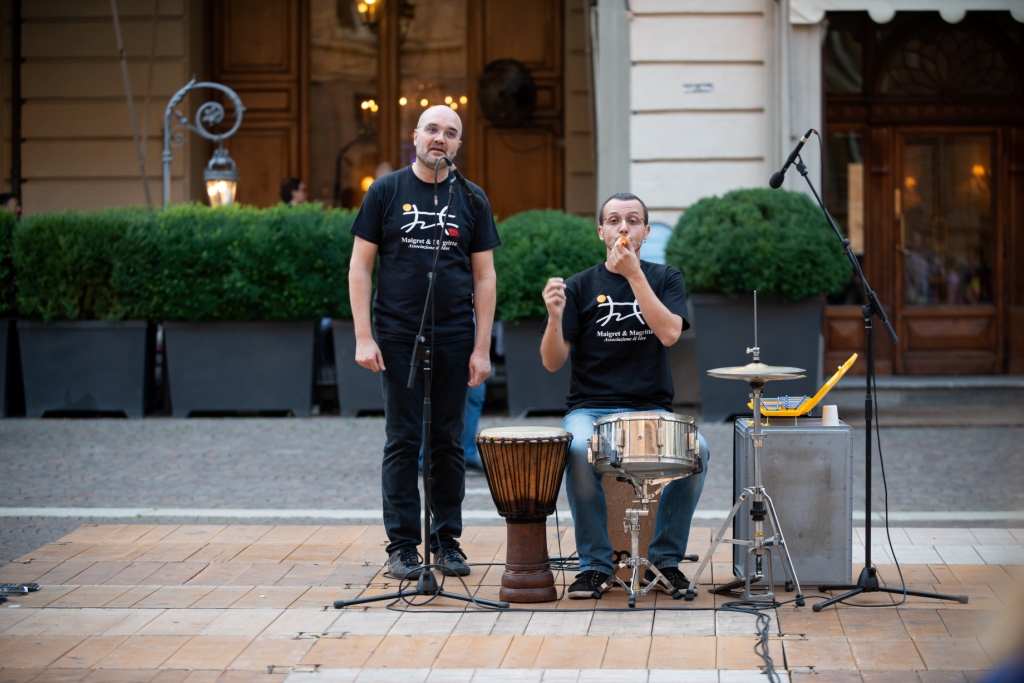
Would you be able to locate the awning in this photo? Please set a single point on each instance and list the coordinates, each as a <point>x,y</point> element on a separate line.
<point>882,11</point>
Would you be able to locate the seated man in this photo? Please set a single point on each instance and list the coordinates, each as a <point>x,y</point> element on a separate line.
<point>616,321</point>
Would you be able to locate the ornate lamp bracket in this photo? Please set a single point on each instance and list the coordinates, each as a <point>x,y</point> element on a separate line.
<point>208,115</point>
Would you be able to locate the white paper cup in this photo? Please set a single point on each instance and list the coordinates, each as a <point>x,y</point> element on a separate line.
<point>829,416</point>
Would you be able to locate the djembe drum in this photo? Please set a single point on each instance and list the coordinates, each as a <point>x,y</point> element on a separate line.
<point>524,467</point>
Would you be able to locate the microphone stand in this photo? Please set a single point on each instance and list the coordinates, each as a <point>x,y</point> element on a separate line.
<point>867,582</point>
<point>426,584</point>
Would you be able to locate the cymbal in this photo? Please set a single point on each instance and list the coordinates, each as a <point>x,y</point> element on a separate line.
<point>752,371</point>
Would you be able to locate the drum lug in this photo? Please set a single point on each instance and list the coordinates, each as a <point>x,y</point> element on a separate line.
<point>661,439</point>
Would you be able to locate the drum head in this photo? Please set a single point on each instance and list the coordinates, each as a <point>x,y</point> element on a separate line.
<point>644,415</point>
<point>522,433</point>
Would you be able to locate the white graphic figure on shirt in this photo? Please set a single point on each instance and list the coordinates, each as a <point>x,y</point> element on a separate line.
<point>440,217</point>
<point>606,301</point>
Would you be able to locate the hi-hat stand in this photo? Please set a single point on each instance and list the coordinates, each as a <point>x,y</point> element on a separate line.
<point>755,374</point>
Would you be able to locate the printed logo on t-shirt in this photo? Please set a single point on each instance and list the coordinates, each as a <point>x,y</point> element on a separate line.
<point>620,311</point>
<point>426,220</point>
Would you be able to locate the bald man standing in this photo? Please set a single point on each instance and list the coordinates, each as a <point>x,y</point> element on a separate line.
<point>400,223</point>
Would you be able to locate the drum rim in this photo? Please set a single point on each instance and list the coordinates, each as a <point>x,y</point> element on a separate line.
<point>562,438</point>
<point>523,433</point>
<point>628,459</point>
<point>645,415</point>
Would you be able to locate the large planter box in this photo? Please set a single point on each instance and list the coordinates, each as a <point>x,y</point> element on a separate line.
<point>531,388</point>
<point>788,334</point>
<point>223,367</point>
<point>6,363</point>
<point>683,359</point>
<point>359,389</point>
<point>86,366</point>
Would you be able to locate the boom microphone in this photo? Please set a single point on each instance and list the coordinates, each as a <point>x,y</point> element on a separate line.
<point>475,200</point>
<point>776,180</point>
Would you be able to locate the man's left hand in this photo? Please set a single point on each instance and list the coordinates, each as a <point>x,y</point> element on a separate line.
<point>479,367</point>
<point>623,260</point>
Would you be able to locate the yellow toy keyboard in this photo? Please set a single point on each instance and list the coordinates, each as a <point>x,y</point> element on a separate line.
<point>795,406</point>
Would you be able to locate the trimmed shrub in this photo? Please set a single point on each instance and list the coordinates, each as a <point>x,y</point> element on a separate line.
<point>774,241</point>
<point>73,265</point>
<point>243,263</point>
<point>537,245</point>
<point>188,263</point>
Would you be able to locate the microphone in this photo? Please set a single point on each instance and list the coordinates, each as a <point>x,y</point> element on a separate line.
<point>776,180</point>
<point>475,200</point>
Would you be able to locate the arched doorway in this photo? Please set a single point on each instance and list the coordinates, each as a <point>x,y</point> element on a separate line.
<point>333,89</point>
<point>924,149</point>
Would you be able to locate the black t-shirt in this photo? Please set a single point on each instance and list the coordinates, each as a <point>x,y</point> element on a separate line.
<point>617,360</point>
<point>398,215</point>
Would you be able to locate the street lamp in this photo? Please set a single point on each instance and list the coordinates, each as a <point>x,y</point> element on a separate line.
<point>369,11</point>
<point>221,178</point>
<point>220,175</point>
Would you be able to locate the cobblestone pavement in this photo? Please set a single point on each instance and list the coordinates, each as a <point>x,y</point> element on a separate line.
<point>333,463</point>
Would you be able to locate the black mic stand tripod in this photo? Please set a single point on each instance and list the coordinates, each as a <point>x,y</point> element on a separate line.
<point>867,582</point>
<point>426,583</point>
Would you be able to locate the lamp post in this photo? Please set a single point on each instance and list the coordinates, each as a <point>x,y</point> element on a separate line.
<point>220,175</point>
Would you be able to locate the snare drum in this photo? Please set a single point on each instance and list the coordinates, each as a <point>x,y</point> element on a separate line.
<point>648,445</point>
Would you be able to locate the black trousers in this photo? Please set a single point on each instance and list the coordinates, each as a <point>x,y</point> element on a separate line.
<point>403,423</point>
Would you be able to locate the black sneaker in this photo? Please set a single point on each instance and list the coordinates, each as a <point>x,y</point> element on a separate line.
<point>674,576</point>
<point>404,563</point>
<point>452,561</point>
<point>587,585</point>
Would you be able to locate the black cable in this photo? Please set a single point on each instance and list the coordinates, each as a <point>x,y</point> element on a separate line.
<point>885,488</point>
<point>762,620</point>
<point>563,564</point>
<point>558,537</point>
<point>438,237</point>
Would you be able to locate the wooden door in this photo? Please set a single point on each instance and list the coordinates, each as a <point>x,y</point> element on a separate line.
<point>260,49</point>
<point>949,275</point>
<point>519,168</point>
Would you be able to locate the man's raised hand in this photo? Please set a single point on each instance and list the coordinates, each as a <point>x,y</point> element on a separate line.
<point>622,259</point>
<point>554,297</point>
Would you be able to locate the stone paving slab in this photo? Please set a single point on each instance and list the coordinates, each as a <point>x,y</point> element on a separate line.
<point>237,620</point>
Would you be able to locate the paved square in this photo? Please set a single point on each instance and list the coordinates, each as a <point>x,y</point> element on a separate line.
<point>235,603</point>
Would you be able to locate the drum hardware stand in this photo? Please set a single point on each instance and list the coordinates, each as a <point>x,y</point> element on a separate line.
<point>756,374</point>
<point>867,582</point>
<point>426,583</point>
<point>631,524</point>
<point>759,545</point>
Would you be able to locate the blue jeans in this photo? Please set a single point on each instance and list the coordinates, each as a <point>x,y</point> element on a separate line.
<point>590,512</point>
<point>474,407</point>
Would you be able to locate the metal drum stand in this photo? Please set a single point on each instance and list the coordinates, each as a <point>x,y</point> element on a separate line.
<point>632,524</point>
<point>645,449</point>
<point>755,374</point>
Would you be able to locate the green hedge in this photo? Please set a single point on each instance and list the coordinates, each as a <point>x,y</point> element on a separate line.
<point>774,241</point>
<point>188,263</point>
<point>7,223</point>
<point>75,265</point>
<point>537,245</point>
